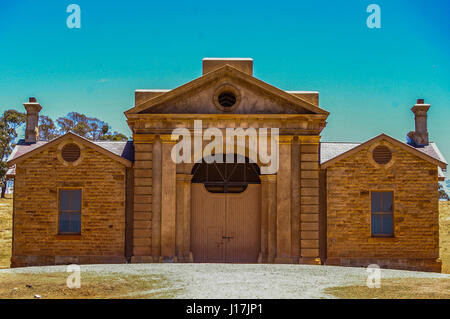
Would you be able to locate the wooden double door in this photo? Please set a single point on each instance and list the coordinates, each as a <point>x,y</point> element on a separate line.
<point>225,227</point>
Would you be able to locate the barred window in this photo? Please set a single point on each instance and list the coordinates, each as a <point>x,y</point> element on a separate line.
<point>70,211</point>
<point>382,219</point>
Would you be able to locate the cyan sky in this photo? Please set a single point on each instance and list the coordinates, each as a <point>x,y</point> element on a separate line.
<point>367,78</point>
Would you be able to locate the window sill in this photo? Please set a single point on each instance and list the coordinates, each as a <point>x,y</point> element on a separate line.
<point>382,239</point>
<point>68,237</point>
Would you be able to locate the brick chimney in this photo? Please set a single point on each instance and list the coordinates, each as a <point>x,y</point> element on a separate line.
<point>419,137</point>
<point>32,125</point>
<point>242,64</point>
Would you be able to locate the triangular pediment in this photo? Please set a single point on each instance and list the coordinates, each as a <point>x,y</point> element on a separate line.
<point>200,96</point>
<point>383,137</point>
<point>23,151</point>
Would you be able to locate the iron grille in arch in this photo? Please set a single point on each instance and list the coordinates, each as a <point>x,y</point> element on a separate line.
<point>226,177</point>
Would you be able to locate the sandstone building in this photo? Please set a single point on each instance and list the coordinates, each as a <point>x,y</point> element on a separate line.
<point>81,201</point>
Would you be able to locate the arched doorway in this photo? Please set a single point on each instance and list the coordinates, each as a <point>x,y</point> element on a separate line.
<point>225,212</point>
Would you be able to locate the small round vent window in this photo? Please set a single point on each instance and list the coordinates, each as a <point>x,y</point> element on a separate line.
<point>70,152</point>
<point>382,155</point>
<point>227,99</point>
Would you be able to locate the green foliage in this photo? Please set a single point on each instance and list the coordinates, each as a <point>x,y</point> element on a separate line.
<point>47,129</point>
<point>89,127</point>
<point>114,137</point>
<point>9,122</point>
<point>442,194</point>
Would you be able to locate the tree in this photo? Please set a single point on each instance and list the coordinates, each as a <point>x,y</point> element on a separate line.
<point>442,194</point>
<point>89,127</point>
<point>75,122</point>
<point>47,129</point>
<point>9,122</point>
<point>116,136</point>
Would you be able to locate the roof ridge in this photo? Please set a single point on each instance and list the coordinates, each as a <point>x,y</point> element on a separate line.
<point>112,141</point>
<point>343,142</point>
<point>383,136</point>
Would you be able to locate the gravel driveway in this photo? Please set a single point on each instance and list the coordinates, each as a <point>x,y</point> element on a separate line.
<point>243,281</point>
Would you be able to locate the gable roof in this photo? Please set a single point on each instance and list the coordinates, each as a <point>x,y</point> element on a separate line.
<point>225,70</point>
<point>331,153</point>
<point>123,152</point>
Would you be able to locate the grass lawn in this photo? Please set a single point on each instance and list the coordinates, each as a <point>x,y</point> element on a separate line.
<point>397,288</point>
<point>444,235</point>
<point>5,231</point>
<point>93,285</point>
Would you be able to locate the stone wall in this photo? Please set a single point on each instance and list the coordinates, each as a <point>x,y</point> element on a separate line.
<point>143,189</point>
<point>309,200</point>
<point>35,238</point>
<point>415,245</point>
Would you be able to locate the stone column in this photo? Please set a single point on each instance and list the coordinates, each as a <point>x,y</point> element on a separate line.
<point>284,200</point>
<point>309,200</point>
<point>142,217</point>
<point>183,218</point>
<point>268,219</point>
<point>295,200</point>
<point>168,200</point>
<point>156,200</point>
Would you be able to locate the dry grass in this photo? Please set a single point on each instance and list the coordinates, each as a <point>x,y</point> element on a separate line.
<point>93,285</point>
<point>397,288</point>
<point>5,231</point>
<point>444,238</point>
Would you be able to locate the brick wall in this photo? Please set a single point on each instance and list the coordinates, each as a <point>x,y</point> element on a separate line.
<point>416,228</point>
<point>35,239</point>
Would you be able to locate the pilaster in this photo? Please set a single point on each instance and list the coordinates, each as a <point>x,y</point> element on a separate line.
<point>284,249</point>
<point>168,200</point>
<point>143,182</point>
<point>309,199</point>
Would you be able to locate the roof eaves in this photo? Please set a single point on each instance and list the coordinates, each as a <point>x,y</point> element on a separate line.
<point>392,140</point>
<point>438,152</point>
<point>112,155</point>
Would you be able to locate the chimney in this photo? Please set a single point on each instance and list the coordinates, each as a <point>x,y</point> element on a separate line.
<point>242,64</point>
<point>419,137</point>
<point>32,125</point>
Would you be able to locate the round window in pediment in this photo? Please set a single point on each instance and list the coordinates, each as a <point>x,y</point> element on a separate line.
<point>71,152</point>
<point>382,155</point>
<point>226,98</point>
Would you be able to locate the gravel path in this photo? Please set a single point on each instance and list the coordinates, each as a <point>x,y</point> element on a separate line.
<point>242,281</point>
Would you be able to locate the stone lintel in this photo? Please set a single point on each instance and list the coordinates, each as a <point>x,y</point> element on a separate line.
<point>309,139</point>
<point>169,138</point>
<point>143,138</point>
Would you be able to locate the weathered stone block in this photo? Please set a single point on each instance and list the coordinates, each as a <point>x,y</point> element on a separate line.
<point>309,174</point>
<point>309,235</point>
<point>309,252</point>
<point>309,157</point>
<point>310,165</point>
